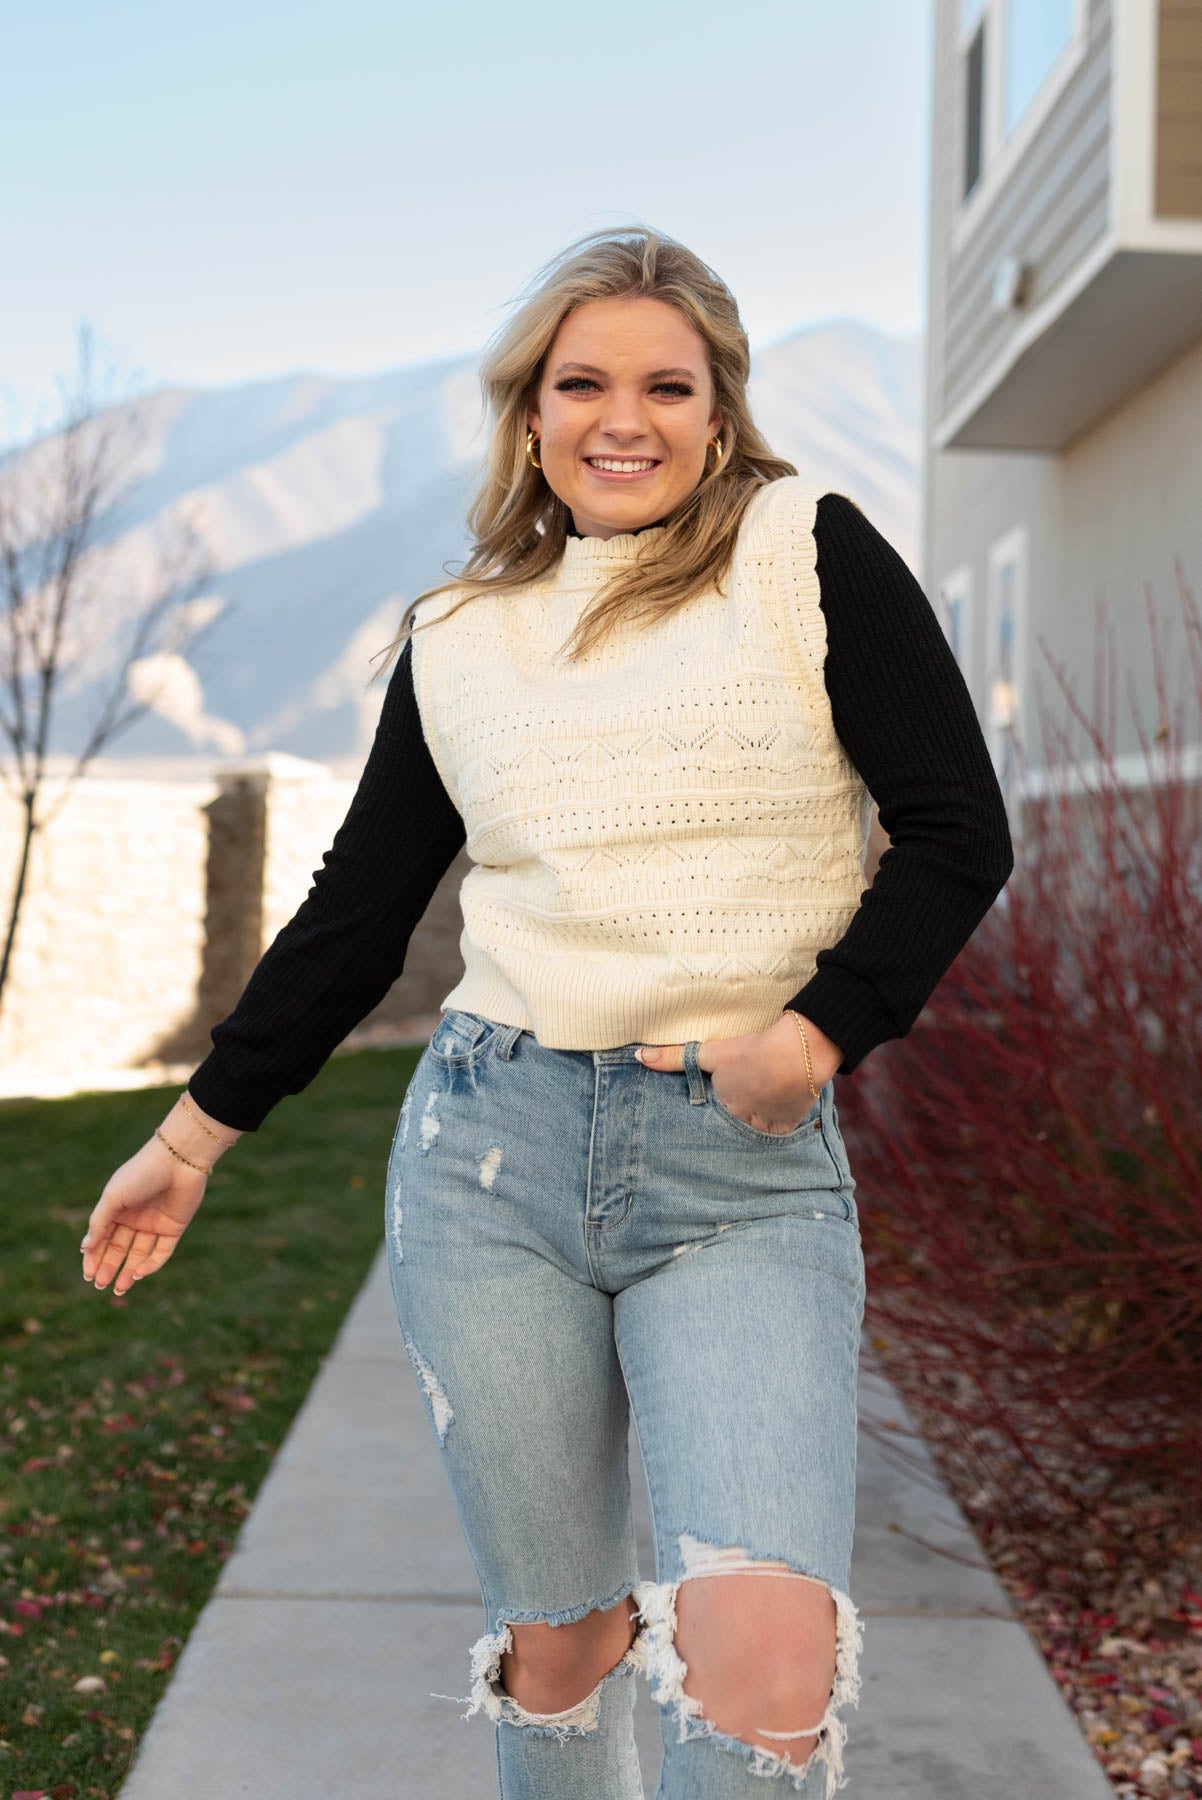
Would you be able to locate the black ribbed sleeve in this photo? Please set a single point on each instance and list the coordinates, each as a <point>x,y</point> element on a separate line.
<point>345,946</point>
<point>905,717</point>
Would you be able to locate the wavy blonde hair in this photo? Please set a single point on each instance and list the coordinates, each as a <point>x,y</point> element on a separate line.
<point>520,526</point>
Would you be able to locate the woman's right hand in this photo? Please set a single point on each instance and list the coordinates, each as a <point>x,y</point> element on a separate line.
<point>147,1203</point>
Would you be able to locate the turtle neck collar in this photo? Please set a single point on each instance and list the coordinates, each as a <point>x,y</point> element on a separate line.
<point>594,558</point>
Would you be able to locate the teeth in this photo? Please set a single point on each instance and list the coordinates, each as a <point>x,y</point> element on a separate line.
<point>620,468</point>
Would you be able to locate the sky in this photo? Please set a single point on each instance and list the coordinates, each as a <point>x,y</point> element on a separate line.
<point>230,191</point>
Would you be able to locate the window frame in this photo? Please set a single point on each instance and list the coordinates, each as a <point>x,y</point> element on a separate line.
<point>1010,550</point>
<point>957,588</point>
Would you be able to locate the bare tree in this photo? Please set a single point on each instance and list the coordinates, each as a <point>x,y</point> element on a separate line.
<point>84,602</point>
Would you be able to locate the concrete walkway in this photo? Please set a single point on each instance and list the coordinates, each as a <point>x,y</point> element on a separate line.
<point>351,1597</point>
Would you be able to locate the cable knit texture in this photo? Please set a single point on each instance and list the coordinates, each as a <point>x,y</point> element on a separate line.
<point>666,832</point>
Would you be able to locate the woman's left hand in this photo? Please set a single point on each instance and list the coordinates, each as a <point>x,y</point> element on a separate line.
<point>763,1077</point>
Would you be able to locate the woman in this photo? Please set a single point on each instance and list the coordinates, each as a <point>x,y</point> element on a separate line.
<point>654,708</point>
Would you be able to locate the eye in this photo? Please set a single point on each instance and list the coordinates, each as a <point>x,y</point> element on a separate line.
<point>571,382</point>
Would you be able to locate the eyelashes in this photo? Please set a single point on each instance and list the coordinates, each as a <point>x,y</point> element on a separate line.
<point>571,382</point>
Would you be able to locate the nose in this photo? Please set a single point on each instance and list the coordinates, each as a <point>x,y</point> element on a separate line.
<point>626,443</point>
<point>624,422</point>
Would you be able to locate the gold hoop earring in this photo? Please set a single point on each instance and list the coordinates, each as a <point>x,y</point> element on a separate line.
<point>531,440</point>
<point>717,444</point>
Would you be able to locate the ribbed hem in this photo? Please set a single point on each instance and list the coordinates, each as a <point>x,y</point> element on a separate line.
<point>591,1003</point>
<point>849,1011</point>
<point>230,1099</point>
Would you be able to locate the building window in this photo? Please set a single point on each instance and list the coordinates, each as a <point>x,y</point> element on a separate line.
<point>1007,602</point>
<point>955,616</point>
<point>1036,33</point>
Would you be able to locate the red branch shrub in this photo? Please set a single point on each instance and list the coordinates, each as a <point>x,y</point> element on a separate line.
<point>1029,1158</point>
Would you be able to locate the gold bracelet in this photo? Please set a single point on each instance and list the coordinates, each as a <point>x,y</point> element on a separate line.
<point>201,1166</point>
<point>226,1143</point>
<point>805,1045</point>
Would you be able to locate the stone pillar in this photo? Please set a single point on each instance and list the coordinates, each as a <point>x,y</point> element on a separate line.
<point>251,877</point>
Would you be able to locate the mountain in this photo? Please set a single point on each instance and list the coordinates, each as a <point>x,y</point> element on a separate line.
<point>328,504</point>
<point>843,402</point>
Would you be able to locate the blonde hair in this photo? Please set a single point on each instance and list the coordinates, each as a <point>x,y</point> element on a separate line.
<point>520,526</point>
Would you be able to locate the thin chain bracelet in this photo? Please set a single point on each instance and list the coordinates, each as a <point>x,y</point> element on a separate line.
<point>805,1045</point>
<point>226,1143</point>
<point>205,1169</point>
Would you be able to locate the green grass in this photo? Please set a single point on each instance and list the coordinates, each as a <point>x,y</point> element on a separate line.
<point>135,1432</point>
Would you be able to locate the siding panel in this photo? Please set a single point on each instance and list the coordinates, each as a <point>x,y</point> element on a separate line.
<point>1179,110</point>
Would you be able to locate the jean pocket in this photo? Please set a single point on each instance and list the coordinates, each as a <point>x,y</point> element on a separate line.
<point>461,1036</point>
<point>811,1124</point>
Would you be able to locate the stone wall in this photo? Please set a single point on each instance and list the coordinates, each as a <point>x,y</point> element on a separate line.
<point>110,941</point>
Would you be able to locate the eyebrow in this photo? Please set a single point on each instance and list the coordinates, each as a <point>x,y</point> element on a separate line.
<point>590,369</point>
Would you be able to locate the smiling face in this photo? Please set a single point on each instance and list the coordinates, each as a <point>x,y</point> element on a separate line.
<point>625,382</point>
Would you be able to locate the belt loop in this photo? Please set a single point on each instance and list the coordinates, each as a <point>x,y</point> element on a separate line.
<point>507,1037</point>
<point>692,1068</point>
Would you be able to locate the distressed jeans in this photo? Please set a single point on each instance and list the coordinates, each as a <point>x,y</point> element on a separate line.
<point>572,1237</point>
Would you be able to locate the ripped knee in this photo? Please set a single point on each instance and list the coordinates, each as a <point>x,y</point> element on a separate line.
<point>490,1692</point>
<point>814,1740</point>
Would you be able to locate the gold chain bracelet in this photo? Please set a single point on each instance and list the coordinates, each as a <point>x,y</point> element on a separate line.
<point>204,1169</point>
<point>226,1143</point>
<point>805,1045</point>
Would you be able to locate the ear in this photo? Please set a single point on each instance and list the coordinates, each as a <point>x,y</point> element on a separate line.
<point>533,420</point>
<point>715,424</point>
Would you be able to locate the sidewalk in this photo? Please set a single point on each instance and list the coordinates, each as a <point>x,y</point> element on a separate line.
<point>351,1597</point>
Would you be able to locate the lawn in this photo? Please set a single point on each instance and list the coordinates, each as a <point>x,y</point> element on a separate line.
<point>136,1431</point>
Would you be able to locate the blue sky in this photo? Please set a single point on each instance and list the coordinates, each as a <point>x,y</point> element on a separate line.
<point>226,192</point>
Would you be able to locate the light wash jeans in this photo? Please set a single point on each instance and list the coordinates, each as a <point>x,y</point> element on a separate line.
<point>571,1235</point>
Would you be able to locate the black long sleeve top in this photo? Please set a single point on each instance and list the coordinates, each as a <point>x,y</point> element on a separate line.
<point>903,713</point>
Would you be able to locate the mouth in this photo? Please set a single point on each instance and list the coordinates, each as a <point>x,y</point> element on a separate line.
<point>621,469</point>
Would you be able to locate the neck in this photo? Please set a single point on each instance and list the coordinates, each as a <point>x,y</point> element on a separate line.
<point>633,532</point>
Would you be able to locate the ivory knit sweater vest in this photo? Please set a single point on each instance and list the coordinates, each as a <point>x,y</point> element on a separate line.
<point>665,832</point>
